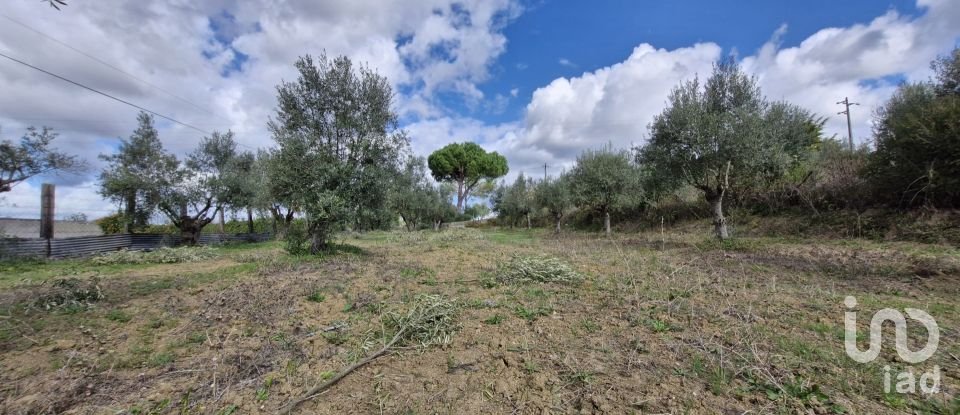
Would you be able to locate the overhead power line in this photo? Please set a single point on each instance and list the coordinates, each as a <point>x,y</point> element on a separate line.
<point>107,64</point>
<point>103,93</point>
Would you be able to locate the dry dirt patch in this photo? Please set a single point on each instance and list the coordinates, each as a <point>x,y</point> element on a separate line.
<point>653,327</point>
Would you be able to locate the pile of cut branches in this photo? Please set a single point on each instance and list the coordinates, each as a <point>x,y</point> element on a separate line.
<point>69,292</point>
<point>522,269</point>
<point>159,256</point>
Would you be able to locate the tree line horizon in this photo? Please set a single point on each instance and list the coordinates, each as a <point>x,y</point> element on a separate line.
<point>341,161</point>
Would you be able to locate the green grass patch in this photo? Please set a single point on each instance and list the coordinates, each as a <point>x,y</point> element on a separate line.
<point>494,320</point>
<point>161,359</point>
<point>264,391</point>
<point>317,297</point>
<point>589,326</point>
<point>508,237</point>
<point>119,316</point>
<point>532,313</point>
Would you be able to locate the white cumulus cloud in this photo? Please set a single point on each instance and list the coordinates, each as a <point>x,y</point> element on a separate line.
<point>215,64</point>
<point>226,57</point>
<point>615,104</point>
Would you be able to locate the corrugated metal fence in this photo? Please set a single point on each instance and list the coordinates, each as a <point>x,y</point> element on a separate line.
<point>91,245</point>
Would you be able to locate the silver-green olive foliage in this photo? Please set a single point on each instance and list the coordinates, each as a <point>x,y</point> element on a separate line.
<point>714,135</point>
<point>553,196</point>
<point>144,177</point>
<point>338,145</point>
<point>270,197</point>
<point>466,164</point>
<point>416,199</point>
<point>516,201</point>
<point>192,193</point>
<point>135,174</point>
<point>604,180</point>
<point>32,156</point>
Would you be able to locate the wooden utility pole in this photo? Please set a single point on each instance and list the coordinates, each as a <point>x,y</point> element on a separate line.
<point>46,213</point>
<point>846,103</point>
<point>545,171</point>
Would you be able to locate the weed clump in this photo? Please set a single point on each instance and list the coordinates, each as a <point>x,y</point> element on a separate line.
<point>523,269</point>
<point>159,256</point>
<point>316,296</point>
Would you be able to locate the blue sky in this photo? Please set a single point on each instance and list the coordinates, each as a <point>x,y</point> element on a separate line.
<point>607,31</point>
<point>538,81</point>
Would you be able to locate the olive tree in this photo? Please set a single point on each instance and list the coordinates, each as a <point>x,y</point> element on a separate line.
<point>413,196</point>
<point>269,197</point>
<point>337,143</point>
<point>946,71</point>
<point>243,186</point>
<point>440,209</point>
<point>521,196</point>
<point>554,197</point>
<point>468,165</point>
<point>193,193</point>
<point>603,180</point>
<point>477,211</point>
<point>135,174</point>
<point>516,201</point>
<point>31,157</point>
<point>224,171</point>
<point>722,131</point>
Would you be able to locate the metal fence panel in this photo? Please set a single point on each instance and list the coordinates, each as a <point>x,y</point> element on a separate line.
<point>25,248</point>
<point>91,245</point>
<point>148,241</point>
<point>218,239</point>
<point>87,245</point>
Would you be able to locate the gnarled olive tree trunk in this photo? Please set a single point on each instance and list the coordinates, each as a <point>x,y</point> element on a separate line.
<point>281,221</point>
<point>190,232</point>
<point>190,226</point>
<point>716,209</point>
<point>606,222</point>
<point>319,236</point>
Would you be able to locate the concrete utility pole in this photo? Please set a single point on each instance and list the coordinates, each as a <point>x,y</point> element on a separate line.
<point>846,102</point>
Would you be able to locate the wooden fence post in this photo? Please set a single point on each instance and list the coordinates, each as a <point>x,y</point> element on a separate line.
<point>47,199</point>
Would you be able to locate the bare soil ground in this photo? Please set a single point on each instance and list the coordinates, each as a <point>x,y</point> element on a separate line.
<point>670,323</point>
